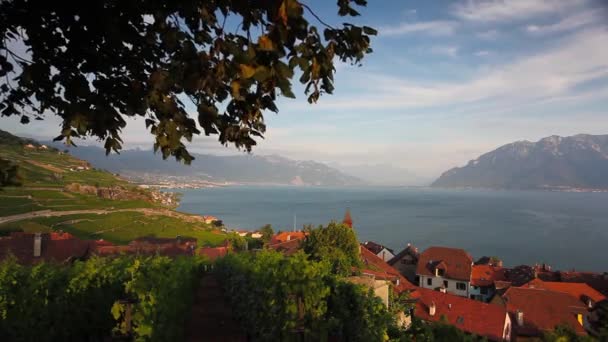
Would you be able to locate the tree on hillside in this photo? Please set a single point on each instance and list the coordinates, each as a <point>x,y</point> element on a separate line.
<point>336,243</point>
<point>9,174</point>
<point>267,233</point>
<point>97,63</point>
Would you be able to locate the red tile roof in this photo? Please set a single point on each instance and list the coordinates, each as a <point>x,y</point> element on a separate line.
<point>471,316</point>
<point>286,236</point>
<point>457,262</point>
<point>486,275</point>
<point>581,291</point>
<point>543,310</point>
<point>213,252</point>
<point>376,248</point>
<point>171,247</point>
<point>374,265</point>
<point>288,247</point>
<point>597,281</point>
<point>55,247</point>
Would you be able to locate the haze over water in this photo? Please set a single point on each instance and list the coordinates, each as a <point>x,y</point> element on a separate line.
<point>565,230</point>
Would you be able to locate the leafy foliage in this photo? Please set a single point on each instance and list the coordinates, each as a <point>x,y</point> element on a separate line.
<point>95,64</point>
<point>565,333</point>
<point>336,243</point>
<point>290,296</point>
<point>9,174</point>
<point>267,233</point>
<point>81,302</point>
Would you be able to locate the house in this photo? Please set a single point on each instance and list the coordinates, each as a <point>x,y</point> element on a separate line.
<point>289,247</point>
<point>598,281</point>
<point>171,247</point>
<point>380,287</point>
<point>536,311</point>
<point>210,219</point>
<point>287,236</point>
<point>445,268</point>
<point>43,147</point>
<point>33,248</point>
<point>406,262</point>
<point>213,253</point>
<point>483,281</point>
<point>585,293</point>
<point>374,266</point>
<point>256,235</point>
<point>470,316</point>
<point>30,147</point>
<point>383,252</point>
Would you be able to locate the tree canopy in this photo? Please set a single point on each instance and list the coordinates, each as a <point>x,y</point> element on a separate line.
<point>97,63</point>
<point>337,244</point>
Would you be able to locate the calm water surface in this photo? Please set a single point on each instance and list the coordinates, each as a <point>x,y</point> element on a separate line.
<point>566,230</point>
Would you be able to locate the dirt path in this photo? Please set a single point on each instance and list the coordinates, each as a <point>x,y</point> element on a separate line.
<point>212,318</point>
<point>145,211</point>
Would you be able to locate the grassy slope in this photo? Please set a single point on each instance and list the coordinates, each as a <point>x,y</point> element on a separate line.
<point>45,174</point>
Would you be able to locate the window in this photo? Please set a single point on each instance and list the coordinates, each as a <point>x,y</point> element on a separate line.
<point>484,290</point>
<point>445,284</point>
<point>440,272</point>
<point>429,281</point>
<point>461,286</point>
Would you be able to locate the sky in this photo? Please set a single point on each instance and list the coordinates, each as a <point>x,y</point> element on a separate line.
<point>447,81</point>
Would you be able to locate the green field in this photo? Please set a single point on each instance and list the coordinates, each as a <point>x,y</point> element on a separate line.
<point>45,173</point>
<point>119,228</point>
<point>17,200</point>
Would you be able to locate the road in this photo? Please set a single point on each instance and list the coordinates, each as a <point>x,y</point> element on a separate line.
<point>146,211</point>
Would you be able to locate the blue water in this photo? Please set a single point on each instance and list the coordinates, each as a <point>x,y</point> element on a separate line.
<point>565,230</point>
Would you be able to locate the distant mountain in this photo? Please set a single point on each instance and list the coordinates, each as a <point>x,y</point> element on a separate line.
<point>241,169</point>
<point>383,174</point>
<point>579,161</point>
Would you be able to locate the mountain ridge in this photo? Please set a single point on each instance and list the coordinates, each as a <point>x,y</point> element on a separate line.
<point>578,161</point>
<point>250,169</point>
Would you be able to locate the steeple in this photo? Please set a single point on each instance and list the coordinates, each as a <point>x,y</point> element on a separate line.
<point>347,219</point>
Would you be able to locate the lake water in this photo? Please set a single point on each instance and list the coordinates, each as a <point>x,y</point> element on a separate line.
<point>565,230</point>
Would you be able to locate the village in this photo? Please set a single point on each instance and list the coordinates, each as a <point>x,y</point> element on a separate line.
<point>443,284</point>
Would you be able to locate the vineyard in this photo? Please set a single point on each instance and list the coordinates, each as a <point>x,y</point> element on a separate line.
<point>279,298</point>
<point>144,298</point>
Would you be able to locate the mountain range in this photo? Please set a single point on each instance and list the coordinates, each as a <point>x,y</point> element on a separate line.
<point>250,169</point>
<point>579,161</point>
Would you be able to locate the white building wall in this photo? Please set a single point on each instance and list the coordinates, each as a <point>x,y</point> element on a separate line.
<point>451,288</point>
<point>385,254</point>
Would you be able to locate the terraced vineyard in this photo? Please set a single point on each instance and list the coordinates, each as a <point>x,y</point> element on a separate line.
<point>46,200</point>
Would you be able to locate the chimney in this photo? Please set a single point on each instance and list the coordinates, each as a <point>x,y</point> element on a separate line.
<point>37,244</point>
<point>397,282</point>
<point>520,318</point>
<point>432,309</point>
<point>450,306</point>
<point>499,263</point>
<point>288,237</point>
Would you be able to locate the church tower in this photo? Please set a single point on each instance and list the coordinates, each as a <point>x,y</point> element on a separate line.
<point>347,219</point>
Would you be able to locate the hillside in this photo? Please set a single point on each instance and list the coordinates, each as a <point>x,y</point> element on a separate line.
<point>57,191</point>
<point>240,169</point>
<point>554,162</point>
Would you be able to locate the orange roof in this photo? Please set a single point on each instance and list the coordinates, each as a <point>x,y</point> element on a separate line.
<point>469,315</point>
<point>598,281</point>
<point>213,252</point>
<point>580,291</point>
<point>486,275</point>
<point>54,247</point>
<point>288,247</point>
<point>374,265</point>
<point>287,236</point>
<point>543,310</point>
<point>457,262</point>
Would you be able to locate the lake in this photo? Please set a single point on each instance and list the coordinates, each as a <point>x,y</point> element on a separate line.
<point>563,229</point>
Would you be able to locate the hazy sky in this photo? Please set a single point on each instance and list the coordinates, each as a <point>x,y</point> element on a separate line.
<point>448,80</point>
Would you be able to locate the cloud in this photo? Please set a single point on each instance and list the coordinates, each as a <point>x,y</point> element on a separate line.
<point>509,10</point>
<point>433,28</point>
<point>571,22</point>
<point>482,53</point>
<point>549,74</point>
<point>488,35</point>
<point>450,51</point>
